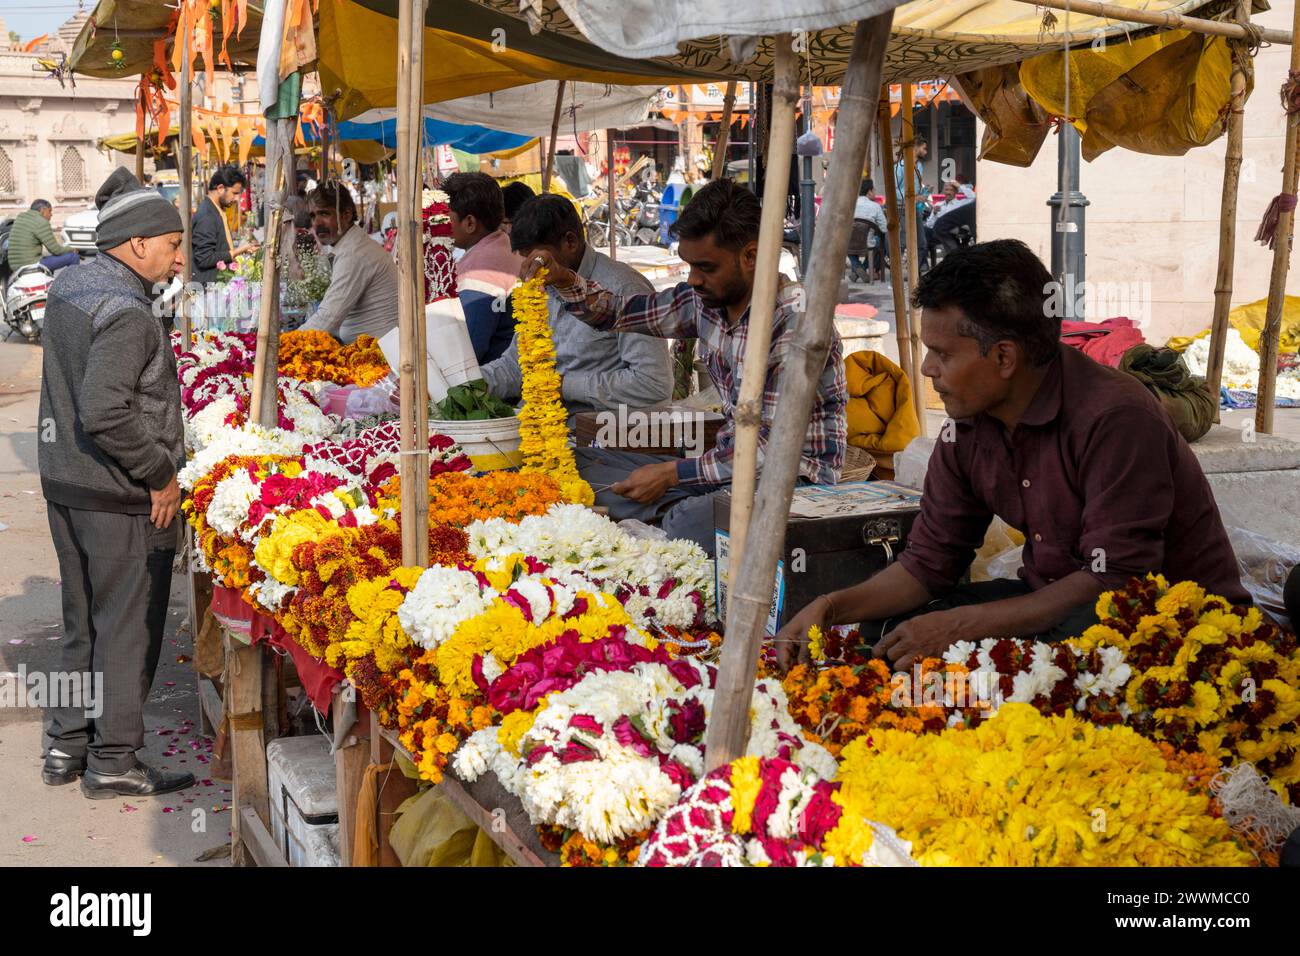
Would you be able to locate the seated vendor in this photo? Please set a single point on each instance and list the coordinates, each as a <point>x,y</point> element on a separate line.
<point>599,370</point>
<point>1077,456</point>
<point>362,296</point>
<point>718,238</point>
<point>488,269</point>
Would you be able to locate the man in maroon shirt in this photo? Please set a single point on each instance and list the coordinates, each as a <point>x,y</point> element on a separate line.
<point>1077,456</point>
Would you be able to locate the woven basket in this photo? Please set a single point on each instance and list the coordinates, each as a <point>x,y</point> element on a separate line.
<point>858,464</point>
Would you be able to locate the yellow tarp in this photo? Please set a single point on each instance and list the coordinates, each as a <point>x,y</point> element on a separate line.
<point>1161,95</point>
<point>454,65</point>
<point>1249,321</point>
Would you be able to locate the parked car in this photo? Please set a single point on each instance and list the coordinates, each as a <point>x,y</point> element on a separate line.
<point>82,228</point>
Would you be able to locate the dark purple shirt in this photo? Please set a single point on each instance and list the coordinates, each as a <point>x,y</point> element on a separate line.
<point>1095,476</point>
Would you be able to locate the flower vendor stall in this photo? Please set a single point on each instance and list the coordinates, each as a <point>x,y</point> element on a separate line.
<point>490,634</point>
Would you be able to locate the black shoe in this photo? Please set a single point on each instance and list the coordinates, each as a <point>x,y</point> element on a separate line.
<point>59,770</point>
<point>139,781</point>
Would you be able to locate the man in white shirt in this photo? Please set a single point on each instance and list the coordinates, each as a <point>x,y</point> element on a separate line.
<point>871,211</point>
<point>956,210</point>
<point>362,297</point>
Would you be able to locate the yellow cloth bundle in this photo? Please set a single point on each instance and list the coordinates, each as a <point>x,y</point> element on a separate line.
<point>881,416</point>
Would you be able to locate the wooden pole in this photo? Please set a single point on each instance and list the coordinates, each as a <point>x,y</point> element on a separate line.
<point>414,469</point>
<point>724,132</point>
<point>611,203</point>
<point>184,172</point>
<point>1166,18</point>
<point>1281,263</point>
<point>264,396</point>
<point>548,169</point>
<point>1228,216</point>
<point>751,594</point>
<point>913,246</point>
<point>762,302</point>
<point>902,314</point>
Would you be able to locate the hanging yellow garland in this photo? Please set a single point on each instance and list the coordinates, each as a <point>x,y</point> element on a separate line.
<point>543,421</point>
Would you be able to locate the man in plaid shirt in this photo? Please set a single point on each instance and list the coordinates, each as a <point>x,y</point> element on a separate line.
<point>718,238</point>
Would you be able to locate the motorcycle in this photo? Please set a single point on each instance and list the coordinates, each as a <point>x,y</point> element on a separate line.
<point>645,216</point>
<point>598,226</point>
<point>24,302</point>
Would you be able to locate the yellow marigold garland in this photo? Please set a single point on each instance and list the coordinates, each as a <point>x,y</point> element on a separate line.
<point>1022,789</point>
<point>543,421</point>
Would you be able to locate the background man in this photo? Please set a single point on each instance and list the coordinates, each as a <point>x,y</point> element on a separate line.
<point>921,151</point>
<point>869,210</point>
<point>112,406</point>
<point>362,297</point>
<point>31,235</point>
<point>210,240</point>
<point>488,268</point>
<point>718,238</point>
<point>1081,458</point>
<point>598,369</point>
<point>515,195</point>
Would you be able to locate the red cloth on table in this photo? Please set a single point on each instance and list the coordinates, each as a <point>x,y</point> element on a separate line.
<point>318,678</point>
<point>1103,342</point>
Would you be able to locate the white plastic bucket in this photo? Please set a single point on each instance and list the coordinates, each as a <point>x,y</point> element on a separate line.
<point>491,444</point>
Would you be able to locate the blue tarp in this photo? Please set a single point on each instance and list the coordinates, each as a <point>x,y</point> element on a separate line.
<point>471,139</point>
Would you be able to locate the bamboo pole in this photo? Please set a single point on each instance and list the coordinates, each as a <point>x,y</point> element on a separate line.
<point>748,414</point>
<point>724,132</point>
<point>913,247</point>
<point>184,172</point>
<point>263,398</point>
<point>902,314</point>
<point>1166,18</point>
<point>1281,263</point>
<point>549,168</point>
<point>1228,216</point>
<point>414,468</point>
<point>611,199</point>
<point>751,595</point>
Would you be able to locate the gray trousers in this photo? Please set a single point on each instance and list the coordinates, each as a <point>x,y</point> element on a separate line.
<point>681,512</point>
<point>117,573</point>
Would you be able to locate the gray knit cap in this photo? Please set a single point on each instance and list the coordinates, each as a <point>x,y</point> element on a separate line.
<point>128,209</point>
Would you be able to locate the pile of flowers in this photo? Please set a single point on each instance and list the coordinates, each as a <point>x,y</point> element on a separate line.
<point>1024,789</point>
<point>1206,675</point>
<point>759,812</point>
<point>306,355</point>
<point>660,583</point>
<point>610,754</point>
<point>543,421</point>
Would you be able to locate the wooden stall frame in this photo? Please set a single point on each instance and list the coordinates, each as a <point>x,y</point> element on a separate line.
<point>750,598</point>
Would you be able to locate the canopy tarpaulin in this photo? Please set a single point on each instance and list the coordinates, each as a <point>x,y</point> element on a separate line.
<point>530,109</point>
<point>930,38</point>
<point>92,53</point>
<point>456,65</point>
<point>377,128</point>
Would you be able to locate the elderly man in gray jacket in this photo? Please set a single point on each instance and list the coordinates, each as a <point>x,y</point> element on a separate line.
<point>598,370</point>
<point>112,440</point>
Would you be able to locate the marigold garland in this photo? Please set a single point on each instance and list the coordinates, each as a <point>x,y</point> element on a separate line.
<point>543,421</point>
<point>1207,675</point>
<point>1022,789</point>
<point>458,499</point>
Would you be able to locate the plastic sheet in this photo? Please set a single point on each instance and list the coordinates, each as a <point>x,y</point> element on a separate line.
<point>1264,566</point>
<point>432,831</point>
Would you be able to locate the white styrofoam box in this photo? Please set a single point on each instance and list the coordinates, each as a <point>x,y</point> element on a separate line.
<point>302,789</point>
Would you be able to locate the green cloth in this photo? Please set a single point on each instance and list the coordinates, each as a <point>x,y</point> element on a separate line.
<point>287,98</point>
<point>31,233</point>
<point>1183,395</point>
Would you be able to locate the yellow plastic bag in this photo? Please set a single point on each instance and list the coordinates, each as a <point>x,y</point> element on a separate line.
<point>432,831</point>
<point>1163,94</point>
<point>1014,125</point>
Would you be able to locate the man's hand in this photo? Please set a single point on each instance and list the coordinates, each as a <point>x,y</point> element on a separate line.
<point>540,259</point>
<point>792,640</point>
<point>165,504</point>
<point>648,483</point>
<point>927,635</point>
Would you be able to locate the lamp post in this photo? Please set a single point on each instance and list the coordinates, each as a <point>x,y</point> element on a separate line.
<point>1068,246</point>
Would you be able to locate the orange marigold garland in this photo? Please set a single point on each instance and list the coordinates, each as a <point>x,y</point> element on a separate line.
<point>543,421</point>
